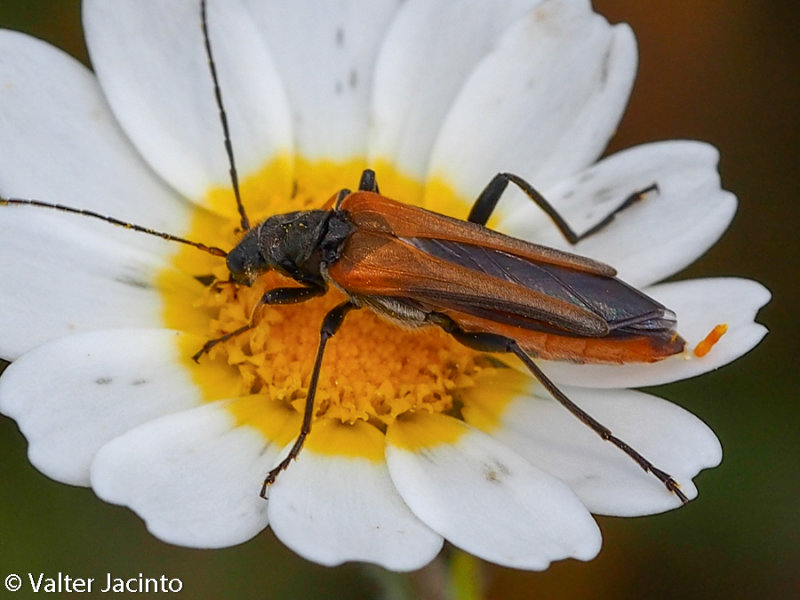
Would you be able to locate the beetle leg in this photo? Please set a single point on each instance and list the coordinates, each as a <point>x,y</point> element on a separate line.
<point>343,193</point>
<point>600,429</point>
<point>487,201</point>
<point>291,295</point>
<point>490,196</point>
<point>283,295</point>
<point>330,325</point>
<point>490,342</point>
<point>368,182</point>
<point>630,200</point>
<point>223,338</point>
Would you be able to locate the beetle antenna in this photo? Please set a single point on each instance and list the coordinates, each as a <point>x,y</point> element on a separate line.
<point>223,117</point>
<point>88,213</point>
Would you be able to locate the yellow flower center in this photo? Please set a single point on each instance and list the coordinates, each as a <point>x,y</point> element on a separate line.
<point>373,371</point>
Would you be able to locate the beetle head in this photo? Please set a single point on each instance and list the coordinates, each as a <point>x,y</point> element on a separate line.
<point>288,243</point>
<point>246,261</point>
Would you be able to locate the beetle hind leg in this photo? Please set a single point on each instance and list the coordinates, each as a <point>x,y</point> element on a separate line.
<point>491,342</point>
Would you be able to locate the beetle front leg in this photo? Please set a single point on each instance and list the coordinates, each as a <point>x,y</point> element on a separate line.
<point>283,295</point>
<point>291,295</point>
<point>330,325</point>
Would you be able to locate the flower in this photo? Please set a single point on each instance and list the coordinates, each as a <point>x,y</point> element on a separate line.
<point>416,439</point>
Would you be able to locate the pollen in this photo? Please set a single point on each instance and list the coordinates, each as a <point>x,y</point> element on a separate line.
<point>373,372</point>
<point>708,342</point>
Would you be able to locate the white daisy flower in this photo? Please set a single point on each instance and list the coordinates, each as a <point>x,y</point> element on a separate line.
<point>416,439</point>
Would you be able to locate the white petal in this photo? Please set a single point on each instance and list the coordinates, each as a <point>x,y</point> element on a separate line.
<point>73,395</point>
<point>159,85</point>
<point>326,52</point>
<point>543,104</point>
<point>193,476</point>
<point>335,508</point>
<point>605,479</point>
<point>700,304</point>
<point>413,91</point>
<point>657,236</point>
<point>67,147</point>
<point>65,279</point>
<point>486,499</point>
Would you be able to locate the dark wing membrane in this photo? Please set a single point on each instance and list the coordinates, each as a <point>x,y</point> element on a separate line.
<point>626,310</point>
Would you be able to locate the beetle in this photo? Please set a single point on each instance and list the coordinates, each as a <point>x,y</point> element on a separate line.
<point>490,291</point>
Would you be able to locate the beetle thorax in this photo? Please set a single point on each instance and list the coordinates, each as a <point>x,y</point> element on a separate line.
<point>290,242</point>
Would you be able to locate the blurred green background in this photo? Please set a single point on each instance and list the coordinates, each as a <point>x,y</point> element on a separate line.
<point>724,72</point>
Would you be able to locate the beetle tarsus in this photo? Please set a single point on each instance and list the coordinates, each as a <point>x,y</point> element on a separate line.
<point>629,201</point>
<point>282,466</point>
<point>224,338</point>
